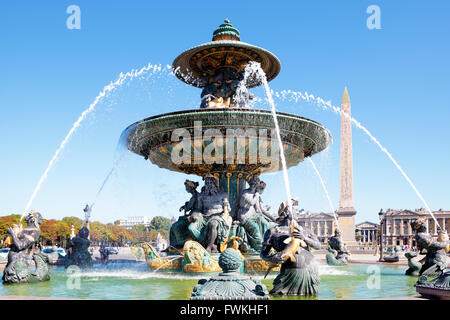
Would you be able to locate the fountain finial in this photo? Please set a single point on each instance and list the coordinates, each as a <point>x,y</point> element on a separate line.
<point>226,32</point>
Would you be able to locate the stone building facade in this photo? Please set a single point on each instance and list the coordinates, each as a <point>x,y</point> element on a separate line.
<point>396,225</point>
<point>366,233</point>
<point>321,224</point>
<point>130,222</point>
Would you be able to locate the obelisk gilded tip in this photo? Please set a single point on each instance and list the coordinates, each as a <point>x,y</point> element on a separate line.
<point>345,97</point>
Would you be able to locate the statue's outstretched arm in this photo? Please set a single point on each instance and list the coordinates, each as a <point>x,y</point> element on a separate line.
<point>312,241</point>
<point>424,241</point>
<point>342,248</point>
<point>24,240</point>
<point>261,207</point>
<point>439,245</point>
<point>268,215</point>
<point>189,205</point>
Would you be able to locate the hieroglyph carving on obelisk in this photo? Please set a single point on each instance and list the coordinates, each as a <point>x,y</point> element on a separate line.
<point>346,192</point>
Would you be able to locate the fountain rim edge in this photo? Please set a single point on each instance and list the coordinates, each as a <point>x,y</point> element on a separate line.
<point>227,110</point>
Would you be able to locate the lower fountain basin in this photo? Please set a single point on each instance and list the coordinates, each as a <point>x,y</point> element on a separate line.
<point>125,281</point>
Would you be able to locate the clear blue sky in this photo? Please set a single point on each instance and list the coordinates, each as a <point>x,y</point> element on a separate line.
<point>397,77</point>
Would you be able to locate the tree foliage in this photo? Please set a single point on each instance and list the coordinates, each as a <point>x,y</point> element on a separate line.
<point>160,223</point>
<point>59,231</point>
<point>7,222</point>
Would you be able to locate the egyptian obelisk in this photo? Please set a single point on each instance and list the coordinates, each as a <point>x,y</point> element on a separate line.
<point>346,212</point>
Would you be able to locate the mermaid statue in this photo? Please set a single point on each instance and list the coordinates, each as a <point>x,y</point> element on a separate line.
<point>23,241</point>
<point>338,254</point>
<point>414,266</point>
<point>299,274</point>
<point>435,261</point>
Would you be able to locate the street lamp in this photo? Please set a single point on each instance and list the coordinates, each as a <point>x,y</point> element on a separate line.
<point>381,217</point>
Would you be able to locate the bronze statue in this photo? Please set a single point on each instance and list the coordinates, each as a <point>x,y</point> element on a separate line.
<point>254,216</point>
<point>393,256</point>
<point>179,231</point>
<point>414,266</point>
<point>221,90</point>
<point>435,264</point>
<point>78,253</point>
<point>215,228</point>
<point>23,242</point>
<point>299,274</point>
<point>338,253</point>
<point>192,204</point>
<point>435,261</point>
<point>205,222</point>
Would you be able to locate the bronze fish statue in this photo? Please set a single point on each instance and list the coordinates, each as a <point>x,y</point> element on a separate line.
<point>293,244</point>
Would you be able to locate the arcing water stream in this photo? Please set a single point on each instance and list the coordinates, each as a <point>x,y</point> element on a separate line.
<point>326,105</point>
<point>123,77</point>
<point>254,68</point>
<point>114,167</point>
<point>330,203</point>
<point>120,154</point>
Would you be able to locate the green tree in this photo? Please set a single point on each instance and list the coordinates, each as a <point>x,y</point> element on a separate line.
<point>76,222</point>
<point>58,231</point>
<point>160,223</point>
<point>54,231</point>
<point>7,222</point>
<point>140,227</point>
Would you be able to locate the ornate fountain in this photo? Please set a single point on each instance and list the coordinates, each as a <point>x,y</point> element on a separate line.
<point>228,144</point>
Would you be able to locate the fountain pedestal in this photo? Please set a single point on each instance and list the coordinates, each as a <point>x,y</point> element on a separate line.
<point>229,284</point>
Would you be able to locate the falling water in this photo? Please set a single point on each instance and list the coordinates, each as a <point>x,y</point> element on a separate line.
<point>120,153</point>
<point>254,68</point>
<point>326,105</point>
<point>330,203</point>
<point>123,77</point>
<point>168,261</point>
<point>114,167</point>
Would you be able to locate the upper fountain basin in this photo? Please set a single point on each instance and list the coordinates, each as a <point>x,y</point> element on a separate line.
<point>196,65</point>
<point>196,141</point>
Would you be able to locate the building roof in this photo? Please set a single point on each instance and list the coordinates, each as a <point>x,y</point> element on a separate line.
<point>366,224</point>
<point>315,215</point>
<point>415,212</point>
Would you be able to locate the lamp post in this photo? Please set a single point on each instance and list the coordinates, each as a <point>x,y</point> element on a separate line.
<point>381,216</point>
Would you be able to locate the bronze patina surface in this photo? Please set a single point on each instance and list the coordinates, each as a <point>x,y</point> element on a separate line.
<point>225,50</point>
<point>152,138</point>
